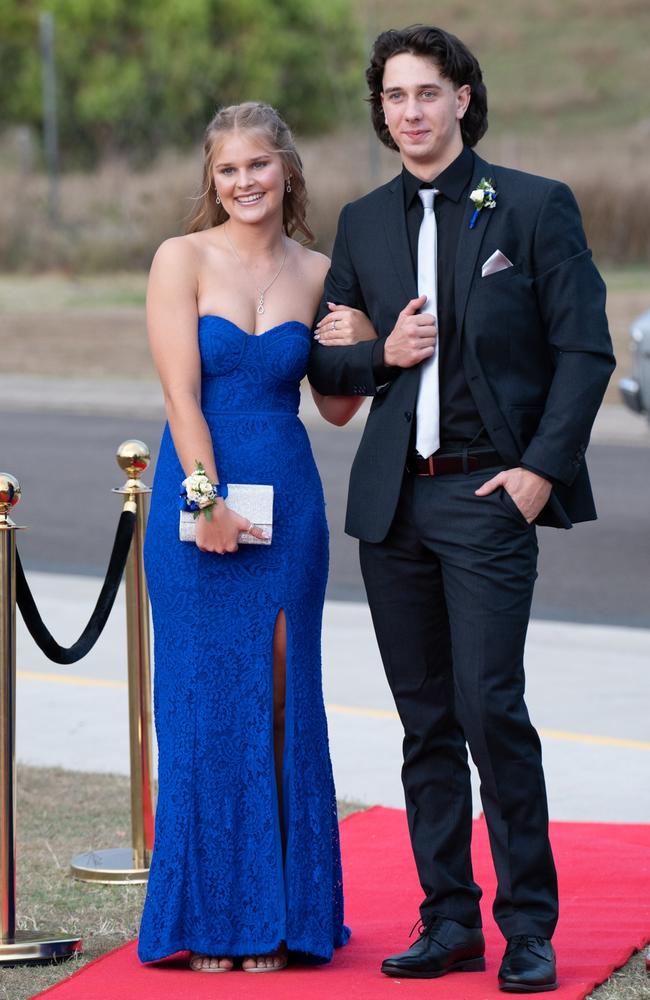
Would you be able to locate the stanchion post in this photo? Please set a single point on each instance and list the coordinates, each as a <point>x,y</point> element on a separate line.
<point>16,946</point>
<point>9,497</point>
<point>120,865</point>
<point>133,457</point>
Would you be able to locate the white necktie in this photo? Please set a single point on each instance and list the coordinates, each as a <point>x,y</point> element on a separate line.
<point>427,439</point>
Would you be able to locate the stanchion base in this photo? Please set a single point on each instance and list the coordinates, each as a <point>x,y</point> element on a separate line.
<point>26,946</point>
<point>115,866</point>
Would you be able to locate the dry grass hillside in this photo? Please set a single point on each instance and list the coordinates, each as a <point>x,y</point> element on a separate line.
<point>114,218</point>
<point>568,66</point>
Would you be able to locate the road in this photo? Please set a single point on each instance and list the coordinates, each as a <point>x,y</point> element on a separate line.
<point>596,573</point>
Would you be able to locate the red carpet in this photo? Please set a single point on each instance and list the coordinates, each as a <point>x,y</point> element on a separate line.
<point>604,872</point>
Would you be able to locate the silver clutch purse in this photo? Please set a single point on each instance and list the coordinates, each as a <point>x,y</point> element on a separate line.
<point>252,501</point>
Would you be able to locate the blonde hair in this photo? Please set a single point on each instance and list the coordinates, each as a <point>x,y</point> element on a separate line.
<point>276,136</point>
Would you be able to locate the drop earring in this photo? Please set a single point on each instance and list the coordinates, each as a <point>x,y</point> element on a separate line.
<point>289,184</point>
<point>218,199</point>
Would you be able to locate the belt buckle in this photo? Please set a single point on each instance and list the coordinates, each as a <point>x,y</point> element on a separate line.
<point>429,462</point>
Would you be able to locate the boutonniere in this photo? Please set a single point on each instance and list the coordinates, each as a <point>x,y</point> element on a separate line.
<point>484,196</point>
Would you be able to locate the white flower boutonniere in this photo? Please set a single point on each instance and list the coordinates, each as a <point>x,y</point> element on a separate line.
<point>484,196</point>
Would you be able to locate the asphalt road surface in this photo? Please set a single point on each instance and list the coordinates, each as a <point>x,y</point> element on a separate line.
<point>596,572</point>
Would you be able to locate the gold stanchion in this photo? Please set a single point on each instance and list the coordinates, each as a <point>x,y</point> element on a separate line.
<point>15,946</point>
<point>131,864</point>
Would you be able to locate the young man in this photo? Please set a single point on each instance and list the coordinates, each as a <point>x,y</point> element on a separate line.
<point>492,358</point>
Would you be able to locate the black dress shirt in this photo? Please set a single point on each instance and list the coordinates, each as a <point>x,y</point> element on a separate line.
<point>460,423</point>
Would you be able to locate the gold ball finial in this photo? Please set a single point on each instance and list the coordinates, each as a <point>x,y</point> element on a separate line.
<point>10,492</point>
<point>9,489</point>
<point>133,457</point>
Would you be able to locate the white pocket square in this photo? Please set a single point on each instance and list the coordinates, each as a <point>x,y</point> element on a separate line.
<point>497,262</point>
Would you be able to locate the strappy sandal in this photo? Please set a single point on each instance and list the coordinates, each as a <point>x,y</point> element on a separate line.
<point>210,968</point>
<point>281,953</point>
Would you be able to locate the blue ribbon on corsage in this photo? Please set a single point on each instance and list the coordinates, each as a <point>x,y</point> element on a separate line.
<point>198,493</point>
<point>186,504</point>
<point>483,196</point>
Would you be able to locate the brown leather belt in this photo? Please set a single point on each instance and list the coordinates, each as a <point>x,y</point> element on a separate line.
<point>443,465</point>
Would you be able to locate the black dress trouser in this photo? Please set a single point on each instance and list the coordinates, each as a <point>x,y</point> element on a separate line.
<point>450,590</point>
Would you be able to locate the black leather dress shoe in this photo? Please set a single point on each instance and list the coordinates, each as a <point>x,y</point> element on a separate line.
<point>443,946</point>
<point>528,965</point>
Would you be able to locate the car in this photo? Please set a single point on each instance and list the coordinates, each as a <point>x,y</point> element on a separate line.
<point>635,390</point>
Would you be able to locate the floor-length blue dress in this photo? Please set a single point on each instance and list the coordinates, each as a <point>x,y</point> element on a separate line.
<point>219,882</point>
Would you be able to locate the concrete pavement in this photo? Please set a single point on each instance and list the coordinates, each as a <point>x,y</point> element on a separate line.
<point>587,693</point>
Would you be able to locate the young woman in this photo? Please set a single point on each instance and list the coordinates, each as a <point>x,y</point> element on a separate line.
<point>246,867</point>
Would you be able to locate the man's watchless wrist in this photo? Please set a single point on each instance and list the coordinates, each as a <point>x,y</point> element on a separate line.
<point>382,371</point>
<point>538,472</point>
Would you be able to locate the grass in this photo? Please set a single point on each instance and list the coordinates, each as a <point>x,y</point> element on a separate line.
<point>631,982</point>
<point>61,813</point>
<point>113,219</point>
<point>55,291</point>
<point>634,279</point>
<point>52,291</point>
<point>558,66</point>
<point>93,326</point>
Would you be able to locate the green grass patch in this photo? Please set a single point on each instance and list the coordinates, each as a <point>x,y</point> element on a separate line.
<point>635,278</point>
<point>31,293</point>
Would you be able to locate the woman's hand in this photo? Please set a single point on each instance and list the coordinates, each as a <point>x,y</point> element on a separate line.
<point>344,326</point>
<point>220,534</point>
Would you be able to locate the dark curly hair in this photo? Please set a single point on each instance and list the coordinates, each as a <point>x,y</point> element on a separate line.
<point>454,61</point>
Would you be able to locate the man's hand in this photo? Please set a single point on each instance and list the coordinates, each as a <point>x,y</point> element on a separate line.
<point>529,491</point>
<point>414,336</point>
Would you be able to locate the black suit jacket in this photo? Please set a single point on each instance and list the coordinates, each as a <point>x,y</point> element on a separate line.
<point>534,339</point>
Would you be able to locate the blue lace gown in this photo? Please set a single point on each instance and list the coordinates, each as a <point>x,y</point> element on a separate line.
<point>219,883</point>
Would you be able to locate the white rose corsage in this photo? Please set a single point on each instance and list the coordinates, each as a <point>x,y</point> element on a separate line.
<point>483,196</point>
<point>198,493</point>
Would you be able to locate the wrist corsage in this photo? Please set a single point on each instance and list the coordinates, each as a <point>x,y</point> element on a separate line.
<point>199,494</point>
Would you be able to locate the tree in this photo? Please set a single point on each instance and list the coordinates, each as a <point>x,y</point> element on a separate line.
<point>137,75</point>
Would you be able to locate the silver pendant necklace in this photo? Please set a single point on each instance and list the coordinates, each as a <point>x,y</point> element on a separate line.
<point>261,291</point>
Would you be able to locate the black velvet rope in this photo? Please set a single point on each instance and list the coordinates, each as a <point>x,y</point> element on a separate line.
<point>38,630</point>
